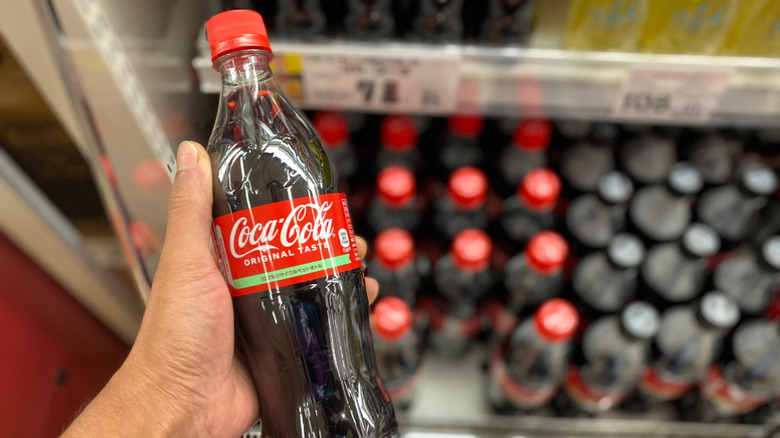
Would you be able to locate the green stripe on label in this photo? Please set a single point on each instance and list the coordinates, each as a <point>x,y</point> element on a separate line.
<point>291,272</point>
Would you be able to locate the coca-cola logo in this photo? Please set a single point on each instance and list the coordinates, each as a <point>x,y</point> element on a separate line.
<point>305,223</point>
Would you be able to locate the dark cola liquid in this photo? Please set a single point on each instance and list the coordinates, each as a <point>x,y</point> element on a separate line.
<point>308,346</point>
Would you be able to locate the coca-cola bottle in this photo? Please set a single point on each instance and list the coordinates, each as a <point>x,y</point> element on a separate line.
<point>531,209</point>
<point>370,19</point>
<point>439,21</point>
<point>572,130</point>
<point>461,145</point>
<point>284,241</point>
<point>463,206</point>
<point>715,157</point>
<point>398,138</point>
<point>615,350</point>
<point>333,131</point>
<point>527,367</point>
<point>527,151</point>
<point>648,157</point>
<point>733,210</point>
<point>675,272</point>
<point>689,341</point>
<point>752,277</point>
<point>593,219</point>
<point>606,280</point>
<point>585,162</point>
<point>509,22</point>
<point>393,265</point>
<point>395,203</point>
<point>398,349</point>
<point>300,19</point>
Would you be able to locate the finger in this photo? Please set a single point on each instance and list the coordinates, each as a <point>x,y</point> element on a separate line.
<point>362,246</point>
<point>372,289</point>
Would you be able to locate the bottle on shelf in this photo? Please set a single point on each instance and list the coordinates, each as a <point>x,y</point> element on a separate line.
<point>606,280</point>
<point>393,265</point>
<point>752,277</point>
<point>463,275</point>
<point>527,367</point>
<point>395,203</point>
<point>509,22</point>
<point>615,349</point>
<point>715,157</point>
<point>370,20</point>
<point>697,27</point>
<point>585,162</point>
<point>689,341</point>
<point>398,349</point>
<point>648,157</point>
<point>453,326</point>
<point>301,19</point>
<point>461,144</point>
<point>662,212</point>
<point>463,205</point>
<point>398,138</point>
<point>605,25</point>
<point>593,219</point>
<point>439,21</point>
<point>333,130</point>
<point>527,151</point>
<point>675,272</point>
<point>572,129</point>
<point>531,209</point>
<point>733,210</point>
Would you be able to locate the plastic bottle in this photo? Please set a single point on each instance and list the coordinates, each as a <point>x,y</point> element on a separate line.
<point>604,25</point>
<point>284,241</point>
<point>585,162</point>
<point>393,265</point>
<point>648,158</point>
<point>395,203</point>
<point>509,22</point>
<point>594,219</point>
<point>333,130</point>
<point>688,26</point>
<point>615,350</point>
<point>662,212</point>
<point>439,21</point>
<point>527,151</point>
<point>463,275</point>
<point>752,277</point>
<point>398,349</point>
<point>302,19</point>
<point>715,157</point>
<point>527,367</point>
<point>461,146</point>
<point>463,206</point>
<point>370,20</point>
<point>531,209</point>
<point>675,272</point>
<point>398,136</point>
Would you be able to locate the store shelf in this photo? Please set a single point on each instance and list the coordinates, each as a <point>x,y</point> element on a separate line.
<point>549,82</point>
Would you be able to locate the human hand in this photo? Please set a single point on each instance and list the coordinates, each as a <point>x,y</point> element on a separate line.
<point>182,376</point>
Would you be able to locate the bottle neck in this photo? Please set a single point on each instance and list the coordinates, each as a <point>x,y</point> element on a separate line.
<point>244,67</point>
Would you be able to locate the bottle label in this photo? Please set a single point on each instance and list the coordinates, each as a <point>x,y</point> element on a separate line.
<point>284,243</point>
<point>728,398</point>
<point>589,397</point>
<point>661,387</point>
<point>515,392</point>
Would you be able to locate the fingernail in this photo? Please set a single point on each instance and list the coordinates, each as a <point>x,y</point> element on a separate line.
<point>187,156</point>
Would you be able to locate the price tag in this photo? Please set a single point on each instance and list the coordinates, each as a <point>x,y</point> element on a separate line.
<point>670,94</point>
<point>387,82</point>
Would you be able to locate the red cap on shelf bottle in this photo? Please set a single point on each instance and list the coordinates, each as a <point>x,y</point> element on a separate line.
<point>546,252</point>
<point>332,128</point>
<point>532,135</point>
<point>394,248</point>
<point>540,189</point>
<point>399,133</point>
<point>466,126</point>
<point>467,187</point>
<point>556,320</point>
<point>236,30</point>
<point>391,318</point>
<point>471,250</point>
<point>396,186</point>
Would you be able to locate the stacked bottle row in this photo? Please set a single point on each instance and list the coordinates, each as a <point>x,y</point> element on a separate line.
<point>603,269</point>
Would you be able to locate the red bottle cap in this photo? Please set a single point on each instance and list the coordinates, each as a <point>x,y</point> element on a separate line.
<point>332,128</point>
<point>394,248</point>
<point>556,320</point>
<point>540,189</point>
<point>546,252</point>
<point>467,187</point>
<point>396,186</point>
<point>471,250</point>
<point>466,126</point>
<point>399,133</point>
<point>392,318</point>
<point>235,30</point>
<point>532,135</point>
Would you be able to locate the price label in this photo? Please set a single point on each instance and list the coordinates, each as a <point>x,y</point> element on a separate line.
<point>670,94</point>
<point>382,82</point>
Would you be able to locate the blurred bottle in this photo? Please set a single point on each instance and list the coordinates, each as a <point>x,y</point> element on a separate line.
<point>572,130</point>
<point>648,157</point>
<point>461,144</point>
<point>395,203</point>
<point>393,265</point>
<point>463,275</point>
<point>675,272</point>
<point>689,341</point>
<point>593,219</point>
<point>585,162</point>
<point>453,327</point>
<point>715,157</point>
<point>606,280</point>
<point>662,212</point>
<point>688,26</point>
<point>398,349</point>
<point>509,22</point>
<point>439,21</point>
<point>300,19</point>
<point>462,207</point>
<point>733,210</point>
<point>615,350</point>
<point>370,20</point>
<point>333,130</point>
<point>752,277</point>
<point>531,209</point>
<point>527,151</point>
<point>605,24</point>
<point>527,367</point>
<point>756,31</point>
<point>399,137</point>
